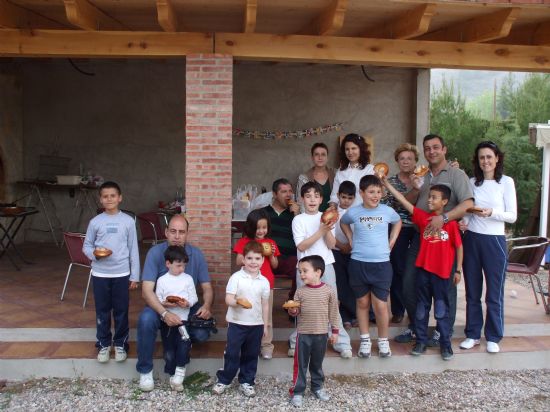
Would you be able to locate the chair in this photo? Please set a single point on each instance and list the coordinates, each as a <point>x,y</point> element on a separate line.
<point>531,253</point>
<point>150,227</point>
<point>74,243</point>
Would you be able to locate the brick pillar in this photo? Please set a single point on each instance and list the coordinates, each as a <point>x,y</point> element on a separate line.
<point>208,168</point>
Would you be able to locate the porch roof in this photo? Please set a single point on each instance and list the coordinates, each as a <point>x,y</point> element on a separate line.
<point>511,35</point>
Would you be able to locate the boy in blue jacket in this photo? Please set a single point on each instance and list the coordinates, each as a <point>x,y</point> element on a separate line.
<point>113,275</point>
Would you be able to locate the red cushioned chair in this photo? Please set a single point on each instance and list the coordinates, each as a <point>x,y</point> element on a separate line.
<point>530,251</point>
<point>74,243</point>
<point>150,227</point>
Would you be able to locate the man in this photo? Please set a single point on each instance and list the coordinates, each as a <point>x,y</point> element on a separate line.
<point>154,313</point>
<point>441,172</point>
<point>281,216</point>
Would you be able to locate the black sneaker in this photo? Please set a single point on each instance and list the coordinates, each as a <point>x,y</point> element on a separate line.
<point>419,349</point>
<point>446,353</point>
<point>434,341</point>
<point>406,337</point>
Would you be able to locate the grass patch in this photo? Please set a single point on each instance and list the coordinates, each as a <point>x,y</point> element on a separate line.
<point>196,383</point>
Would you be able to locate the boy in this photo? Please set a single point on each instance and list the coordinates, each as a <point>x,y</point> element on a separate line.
<point>318,307</point>
<point>312,237</point>
<point>178,284</point>
<point>434,263</point>
<point>116,231</point>
<point>247,298</point>
<point>370,268</point>
<point>341,252</point>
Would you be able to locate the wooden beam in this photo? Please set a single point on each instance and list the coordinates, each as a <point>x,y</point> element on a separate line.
<point>411,24</point>
<point>541,36</point>
<point>15,17</point>
<point>480,29</point>
<point>82,14</point>
<point>250,13</point>
<point>383,52</point>
<point>330,21</point>
<point>167,17</point>
<point>112,44</point>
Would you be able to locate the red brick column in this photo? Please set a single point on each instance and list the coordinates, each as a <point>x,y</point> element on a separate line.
<point>208,168</point>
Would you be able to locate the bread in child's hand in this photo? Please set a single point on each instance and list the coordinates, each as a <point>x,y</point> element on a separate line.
<point>381,169</point>
<point>330,216</point>
<point>421,170</point>
<point>267,251</point>
<point>175,299</point>
<point>291,304</point>
<point>244,303</point>
<point>102,252</point>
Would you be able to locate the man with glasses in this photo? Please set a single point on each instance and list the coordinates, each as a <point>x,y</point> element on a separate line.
<point>154,313</point>
<point>462,198</point>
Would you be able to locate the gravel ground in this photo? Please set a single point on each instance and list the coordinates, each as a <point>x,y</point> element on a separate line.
<point>524,280</point>
<point>452,390</point>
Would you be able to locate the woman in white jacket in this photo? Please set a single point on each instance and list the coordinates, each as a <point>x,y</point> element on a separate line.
<point>485,250</point>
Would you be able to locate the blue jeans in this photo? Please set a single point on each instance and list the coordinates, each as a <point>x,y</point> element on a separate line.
<point>111,296</point>
<point>148,326</point>
<point>241,353</point>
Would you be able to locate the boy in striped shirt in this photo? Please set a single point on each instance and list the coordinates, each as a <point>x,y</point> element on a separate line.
<point>318,308</point>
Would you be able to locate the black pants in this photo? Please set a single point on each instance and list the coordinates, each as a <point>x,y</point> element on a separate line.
<point>176,350</point>
<point>345,294</point>
<point>241,353</point>
<point>398,258</point>
<point>310,353</point>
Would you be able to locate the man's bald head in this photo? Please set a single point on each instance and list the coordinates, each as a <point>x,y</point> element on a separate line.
<point>176,232</point>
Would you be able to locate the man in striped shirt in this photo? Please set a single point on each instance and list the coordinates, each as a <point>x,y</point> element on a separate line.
<point>318,308</point>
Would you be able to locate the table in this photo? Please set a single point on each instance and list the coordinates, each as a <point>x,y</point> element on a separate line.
<point>86,199</point>
<point>9,232</point>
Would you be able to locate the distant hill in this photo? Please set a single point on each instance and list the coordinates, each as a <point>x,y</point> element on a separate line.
<point>471,83</point>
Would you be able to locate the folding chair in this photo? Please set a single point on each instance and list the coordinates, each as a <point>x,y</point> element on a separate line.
<point>150,227</point>
<point>532,250</point>
<point>74,243</point>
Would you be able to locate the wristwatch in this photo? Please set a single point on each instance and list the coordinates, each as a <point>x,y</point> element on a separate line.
<point>458,271</point>
<point>445,218</point>
<point>163,315</point>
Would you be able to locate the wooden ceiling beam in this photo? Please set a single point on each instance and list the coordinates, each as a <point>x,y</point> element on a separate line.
<point>329,22</point>
<point>383,52</point>
<point>250,13</point>
<point>411,24</point>
<point>479,29</point>
<point>541,37</point>
<point>82,14</point>
<point>167,17</point>
<point>15,17</point>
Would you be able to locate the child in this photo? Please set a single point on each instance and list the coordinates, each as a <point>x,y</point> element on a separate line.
<point>318,307</point>
<point>434,262</point>
<point>258,227</point>
<point>116,231</point>
<point>312,237</point>
<point>247,298</point>
<point>175,340</point>
<point>341,252</point>
<point>370,268</point>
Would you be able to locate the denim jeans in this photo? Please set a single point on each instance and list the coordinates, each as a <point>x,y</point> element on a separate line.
<point>147,329</point>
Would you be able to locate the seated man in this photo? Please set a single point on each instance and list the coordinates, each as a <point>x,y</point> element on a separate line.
<point>154,313</point>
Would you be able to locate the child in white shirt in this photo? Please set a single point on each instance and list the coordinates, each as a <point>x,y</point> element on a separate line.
<point>176,291</point>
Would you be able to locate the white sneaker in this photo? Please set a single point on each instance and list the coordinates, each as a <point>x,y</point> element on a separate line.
<point>219,388</point>
<point>120,354</point>
<point>104,354</point>
<point>492,347</point>
<point>290,352</point>
<point>364,348</point>
<point>297,401</point>
<point>146,382</point>
<point>247,390</point>
<point>176,380</point>
<point>322,395</point>
<point>384,350</point>
<point>346,354</point>
<point>468,343</point>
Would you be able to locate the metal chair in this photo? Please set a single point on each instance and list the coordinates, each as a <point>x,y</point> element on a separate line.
<point>531,252</point>
<point>150,227</point>
<point>74,243</point>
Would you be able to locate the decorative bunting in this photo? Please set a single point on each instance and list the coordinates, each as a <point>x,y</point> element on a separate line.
<point>280,135</point>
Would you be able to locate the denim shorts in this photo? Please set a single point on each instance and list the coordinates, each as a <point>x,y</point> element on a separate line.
<point>375,277</point>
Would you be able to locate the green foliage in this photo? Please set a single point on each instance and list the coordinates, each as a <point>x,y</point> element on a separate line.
<point>518,105</point>
<point>482,106</point>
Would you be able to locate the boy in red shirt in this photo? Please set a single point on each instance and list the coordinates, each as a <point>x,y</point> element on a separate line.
<point>434,262</point>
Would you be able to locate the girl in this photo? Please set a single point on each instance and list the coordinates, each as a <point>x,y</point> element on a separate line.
<point>258,227</point>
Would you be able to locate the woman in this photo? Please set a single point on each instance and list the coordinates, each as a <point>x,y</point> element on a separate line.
<point>354,164</point>
<point>485,246</point>
<point>406,156</point>
<point>319,173</point>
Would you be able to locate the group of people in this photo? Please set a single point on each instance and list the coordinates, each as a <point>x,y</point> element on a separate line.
<point>354,238</point>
